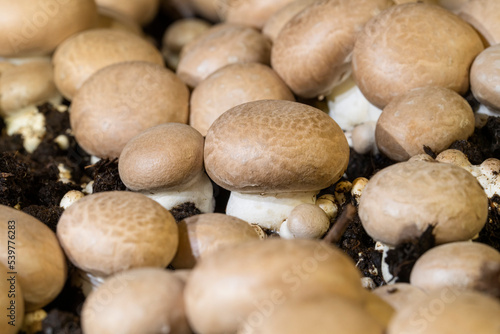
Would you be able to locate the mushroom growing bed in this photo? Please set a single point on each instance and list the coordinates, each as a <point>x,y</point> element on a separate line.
<point>454,174</point>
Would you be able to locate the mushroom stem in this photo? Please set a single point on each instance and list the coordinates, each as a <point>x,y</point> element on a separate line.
<point>86,281</point>
<point>386,274</point>
<point>266,210</point>
<point>341,224</point>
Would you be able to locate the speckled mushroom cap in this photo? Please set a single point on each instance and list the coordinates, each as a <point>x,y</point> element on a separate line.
<point>252,13</point>
<point>484,16</point>
<point>39,260</point>
<point>127,295</point>
<point>457,265</point>
<point>485,77</point>
<point>413,45</point>
<point>26,84</point>
<point>402,200</point>
<point>238,83</point>
<point>163,156</point>
<point>109,232</point>
<point>141,11</point>
<point>82,55</point>
<point>201,234</point>
<point>121,101</point>
<point>313,51</point>
<point>449,311</point>
<point>275,146</point>
<point>219,46</point>
<point>429,116</point>
<point>35,27</point>
<point>6,298</point>
<point>225,287</point>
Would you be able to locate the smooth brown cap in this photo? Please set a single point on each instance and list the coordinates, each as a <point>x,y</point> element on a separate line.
<point>12,304</point>
<point>39,260</point>
<point>429,116</point>
<point>238,84</point>
<point>275,146</point>
<point>26,84</point>
<point>109,232</point>
<point>121,101</point>
<point>200,235</point>
<point>485,77</point>
<point>252,13</point>
<point>484,16</point>
<point>141,11</point>
<point>183,31</point>
<point>402,200</point>
<point>219,46</point>
<point>226,287</point>
<point>161,157</point>
<point>399,295</point>
<point>82,55</point>
<point>37,27</point>
<point>457,265</point>
<point>413,45</point>
<point>312,53</point>
<point>119,304</point>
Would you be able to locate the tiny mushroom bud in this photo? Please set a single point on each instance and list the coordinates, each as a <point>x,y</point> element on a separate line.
<point>483,16</point>
<point>485,77</point>
<point>358,185</point>
<point>201,234</point>
<point>119,304</point>
<point>253,13</point>
<point>165,163</point>
<point>70,198</point>
<point>39,260</point>
<point>363,137</point>
<point>305,221</point>
<point>141,11</point>
<point>399,295</point>
<point>11,302</point>
<point>327,203</point>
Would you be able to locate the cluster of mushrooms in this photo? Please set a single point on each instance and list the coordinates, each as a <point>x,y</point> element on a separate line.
<point>217,105</point>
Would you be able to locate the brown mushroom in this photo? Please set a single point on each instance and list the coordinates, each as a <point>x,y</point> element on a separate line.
<point>483,16</point>
<point>11,302</point>
<point>485,77</point>
<point>307,221</point>
<point>140,11</point>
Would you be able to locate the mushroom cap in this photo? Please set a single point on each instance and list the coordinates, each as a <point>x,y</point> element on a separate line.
<point>109,232</point>
<point>252,13</point>
<point>238,83</point>
<point>219,46</point>
<point>119,304</point>
<point>452,5</point>
<point>413,45</point>
<point>36,27</point>
<point>200,235</point>
<point>307,221</point>
<point>183,31</point>
<point>40,263</point>
<point>275,146</point>
<point>449,311</point>
<point>207,9</point>
<point>313,50</point>
<point>111,19</point>
<point>402,200</point>
<point>82,55</point>
<point>485,77</point>
<point>226,287</point>
<point>457,265</point>
<point>484,16</point>
<point>141,11</point>
<point>26,84</point>
<point>399,295</point>
<point>163,156</point>
<point>6,300</point>
<point>121,101</point>
<point>426,116</point>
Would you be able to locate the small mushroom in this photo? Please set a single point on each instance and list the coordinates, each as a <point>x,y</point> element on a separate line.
<point>399,295</point>
<point>165,163</point>
<point>200,235</point>
<point>483,16</point>
<point>37,259</point>
<point>485,77</point>
<point>140,11</point>
<point>306,221</point>
<point>11,302</point>
<point>70,198</point>
<point>119,305</point>
<point>363,137</point>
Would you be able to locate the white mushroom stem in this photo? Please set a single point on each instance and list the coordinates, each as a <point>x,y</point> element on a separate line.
<point>266,210</point>
<point>198,190</point>
<point>386,274</point>
<point>85,281</point>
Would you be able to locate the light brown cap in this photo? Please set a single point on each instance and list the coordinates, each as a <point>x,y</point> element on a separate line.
<point>252,13</point>
<point>306,221</point>
<point>200,235</point>
<point>280,18</point>
<point>82,55</point>
<point>457,265</point>
<point>4,66</point>
<point>109,232</point>
<point>238,84</point>
<point>313,51</point>
<point>183,31</point>
<point>449,311</point>
<point>402,200</point>
<point>226,287</point>
<point>399,295</point>
<point>26,84</point>
<point>39,260</point>
<point>413,45</point>
<point>163,156</point>
<point>484,16</point>
<point>275,146</point>
<point>219,46</point>
<point>111,19</point>
<point>121,101</point>
<point>429,116</point>
<point>452,5</point>
<point>12,303</point>
<point>207,9</point>
<point>485,77</point>
<point>141,11</point>
<point>119,305</point>
<point>36,27</point>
